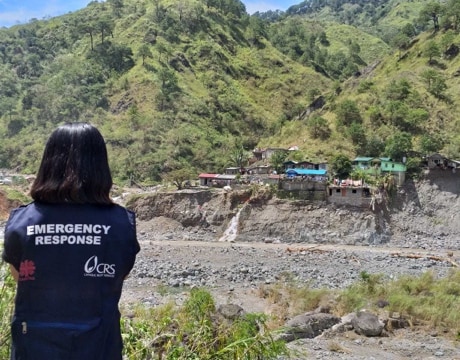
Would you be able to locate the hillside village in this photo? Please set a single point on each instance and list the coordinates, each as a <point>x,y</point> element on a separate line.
<point>318,181</point>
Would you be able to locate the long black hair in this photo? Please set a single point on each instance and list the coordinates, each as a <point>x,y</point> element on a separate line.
<point>74,167</point>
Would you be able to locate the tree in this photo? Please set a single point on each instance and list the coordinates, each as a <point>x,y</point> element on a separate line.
<point>398,90</point>
<point>318,127</point>
<point>353,48</point>
<point>409,30</point>
<point>357,135</point>
<point>398,145</point>
<point>374,147</point>
<point>256,30</point>
<point>347,113</point>
<point>401,41</point>
<point>414,119</point>
<point>432,50</point>
<point>7,106</point>
<point>169,89</point>
<point>436,84</point>
<point>161,48</point>
<point>144,52</point>
<point>397,112</point>
<point>169,81</point>
<point>447,39</point>
<point>117,7</point>
<point>375,116</point>
<point>337,63</point>
<point>88,27</point>
<point>452,14</point>
<point>239,156</point>
<point>105,26</point>
<point>113,56</point>
<point>431,12</point>
<point>277,160</point>
<point>361,174</point>
<point>430,143</point>
<point>179,176</point>
<point>341,166</point>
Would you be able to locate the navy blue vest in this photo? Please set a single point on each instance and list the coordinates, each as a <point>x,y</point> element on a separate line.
<point>72,260</point>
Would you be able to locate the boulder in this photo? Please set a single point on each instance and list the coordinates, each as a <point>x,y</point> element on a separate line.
<point>308,326</point>
<point>367,324</point>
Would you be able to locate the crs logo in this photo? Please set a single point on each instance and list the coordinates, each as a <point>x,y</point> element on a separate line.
<point>96,269</point>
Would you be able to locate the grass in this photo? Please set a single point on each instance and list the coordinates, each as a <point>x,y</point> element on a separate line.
<point>7,291</point>
<point>195,330</point>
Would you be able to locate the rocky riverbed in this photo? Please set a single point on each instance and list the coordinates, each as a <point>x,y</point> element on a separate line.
<point>237,273</point>
<point>236,245</point>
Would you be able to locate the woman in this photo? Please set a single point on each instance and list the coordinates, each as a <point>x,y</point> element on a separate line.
<point>70,250</point>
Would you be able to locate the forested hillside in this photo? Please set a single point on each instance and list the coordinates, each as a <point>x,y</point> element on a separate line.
<point>193,86</point>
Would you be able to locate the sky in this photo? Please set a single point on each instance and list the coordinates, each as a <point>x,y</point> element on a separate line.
<point>14,12</point>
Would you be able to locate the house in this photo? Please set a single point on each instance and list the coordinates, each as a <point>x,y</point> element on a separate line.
<point>290,164</point>
<point>307,183</point>
<point>265,154</point>
<point>434,161</point>
<point>272,179</point>
<point>354,196</point>
<point>259,169</point>
<point>380,166</point>
<point>311,174</point>
<point>305,165</point>
<point>392,166</point>
<point>207,179</point>
<point>233,170</point>
<point>439,162</point>
<point>362,162</point>
<point>321,166</point>
<point>454,164</point>
<point>218,180</point>
<point>225,179</point>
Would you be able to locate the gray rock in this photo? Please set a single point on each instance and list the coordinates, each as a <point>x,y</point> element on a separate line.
<point>308,325</point>
<point>230,311</point>
<point>367,324</point>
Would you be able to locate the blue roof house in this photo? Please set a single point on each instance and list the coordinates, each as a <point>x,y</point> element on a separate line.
<point>305,172</point>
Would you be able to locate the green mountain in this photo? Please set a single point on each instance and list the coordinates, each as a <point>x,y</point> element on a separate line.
<point>197,85</point>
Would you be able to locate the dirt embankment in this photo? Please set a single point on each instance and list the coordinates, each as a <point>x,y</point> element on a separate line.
<point>419,213</point>
<point>6,205</point>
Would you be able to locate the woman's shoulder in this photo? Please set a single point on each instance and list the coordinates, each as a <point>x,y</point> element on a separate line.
<point>50,209</point>
<point>22,209</point>
<point>123,210</point>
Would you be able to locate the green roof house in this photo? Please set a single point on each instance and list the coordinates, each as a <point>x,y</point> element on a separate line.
<point>382,165</point>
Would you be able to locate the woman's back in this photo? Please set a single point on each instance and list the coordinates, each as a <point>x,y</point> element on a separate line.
<point>70,251</point>
<point>72,260</point>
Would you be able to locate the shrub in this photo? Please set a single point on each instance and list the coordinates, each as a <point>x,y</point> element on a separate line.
<point>195,331</point>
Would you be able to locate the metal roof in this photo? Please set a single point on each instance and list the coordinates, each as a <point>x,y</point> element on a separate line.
<point>305,172</point>
<point>362,158</point>
<point>208,176</point>
<point>226,177</point>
